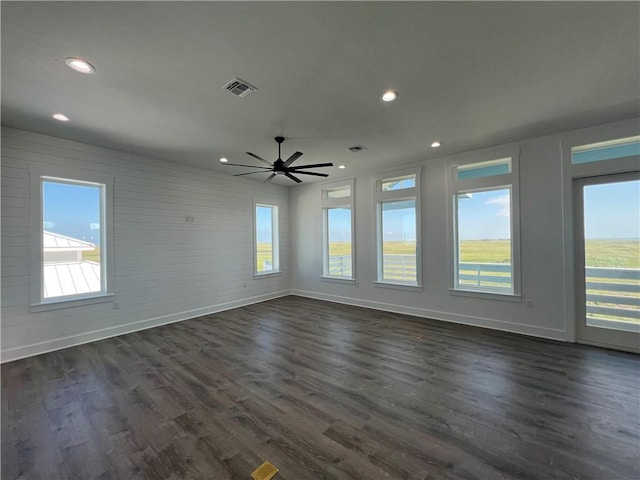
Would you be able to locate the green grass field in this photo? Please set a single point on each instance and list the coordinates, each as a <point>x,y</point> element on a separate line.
<point>600,253</point>
<point>92,256</point>
<point>264,254</point>
<point>613,253</point>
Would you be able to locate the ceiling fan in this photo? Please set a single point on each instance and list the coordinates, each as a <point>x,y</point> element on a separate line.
<point>280,167</point>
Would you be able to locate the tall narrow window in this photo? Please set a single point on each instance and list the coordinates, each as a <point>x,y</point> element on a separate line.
<point>71,238</point>
<point>398,228</point>
<point>72,250</point>
<point>485,225</point>
<point>337,208</point>
<point>266,239</point>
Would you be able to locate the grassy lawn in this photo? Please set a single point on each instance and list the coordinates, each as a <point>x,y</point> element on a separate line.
<point>264,254</point>
<point>485,251</point>
<point>600,253</point>
<point>613,253</point>
<point>92,256</point>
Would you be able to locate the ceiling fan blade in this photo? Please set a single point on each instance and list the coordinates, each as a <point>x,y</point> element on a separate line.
<point>292,158</point>
<point>298,172</point>
<point>297,180</point>
<point>249,173</point>
<point>317,165</point>
<point>258,158</point>
<point>242,165</point>
<point>269,179</point>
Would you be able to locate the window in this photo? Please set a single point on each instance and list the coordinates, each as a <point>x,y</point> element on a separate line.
<point>608,150</point>
<point>485,225</point>
<point>337,211</point>
<point>266,237</point>
<point>601,198</point>
<point>72,245</point>
<point>397,198</point>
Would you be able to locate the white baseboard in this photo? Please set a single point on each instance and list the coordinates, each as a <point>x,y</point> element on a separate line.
<point>493,324</point>
<point>24,351</point>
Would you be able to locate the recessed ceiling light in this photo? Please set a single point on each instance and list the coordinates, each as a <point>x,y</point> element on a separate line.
<point>224,160</point>
<point>61,117</point>
<point>342,166</point>
<point>79,65</point>
<point>436,144</point>
<point>389,96</point>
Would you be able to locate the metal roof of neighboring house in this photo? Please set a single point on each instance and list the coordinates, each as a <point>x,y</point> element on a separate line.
<point>53,242</point>
<point>71,278</point>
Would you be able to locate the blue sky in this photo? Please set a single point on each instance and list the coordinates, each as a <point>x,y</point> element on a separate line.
<point>72,210</point>
<point>612,210</point>
<point>263,224</point>
<point>484,215</point>
<point>399,221</point>
<point>340,223</point>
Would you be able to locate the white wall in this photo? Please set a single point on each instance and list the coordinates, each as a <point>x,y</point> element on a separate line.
<point>543,251</point>
<point>165,269</point>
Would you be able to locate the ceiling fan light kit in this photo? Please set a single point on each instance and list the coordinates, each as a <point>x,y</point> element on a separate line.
<point>280,167</point>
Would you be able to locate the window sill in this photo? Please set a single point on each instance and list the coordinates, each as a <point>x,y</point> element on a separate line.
<point>256,276</point>
<point>503,297</point>
<point>348,281</point>
<point>398,286</point>
<point>70,303</point>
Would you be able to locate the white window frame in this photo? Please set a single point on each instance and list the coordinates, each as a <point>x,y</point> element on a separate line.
<point>380,197</point>
<point>343,202</point>
<point>275,240</point>
<point>40,173</point>
<point>503,181</point>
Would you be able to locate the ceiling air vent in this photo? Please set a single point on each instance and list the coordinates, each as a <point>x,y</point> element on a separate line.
<point>240,87</point>
<point>356,149</point>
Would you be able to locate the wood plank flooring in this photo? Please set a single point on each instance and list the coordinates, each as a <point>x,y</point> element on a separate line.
<point>322,391</point>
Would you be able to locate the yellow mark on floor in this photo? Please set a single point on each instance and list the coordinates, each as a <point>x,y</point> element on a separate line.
<point>266,471</point>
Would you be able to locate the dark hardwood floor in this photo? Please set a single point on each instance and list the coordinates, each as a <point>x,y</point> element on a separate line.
<point>322,391</point>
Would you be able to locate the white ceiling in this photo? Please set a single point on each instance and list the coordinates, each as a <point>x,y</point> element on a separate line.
<point>469,74</point>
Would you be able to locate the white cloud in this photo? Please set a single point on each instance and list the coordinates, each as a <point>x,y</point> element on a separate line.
<point>503,203</point>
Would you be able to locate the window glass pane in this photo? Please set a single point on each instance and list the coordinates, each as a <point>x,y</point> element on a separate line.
<point>611,150</point>
<point>398,183</point>
<point>612,255</point>
<point>339,255</point>
<point>264,239</point>
<point>337,193</point>
<point>71,239</point>
<point>483,169</point>
<point>399,241</point>
<point>484,240</point>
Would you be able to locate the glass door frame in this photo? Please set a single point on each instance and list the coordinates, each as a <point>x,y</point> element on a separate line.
<point>591,335</point>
